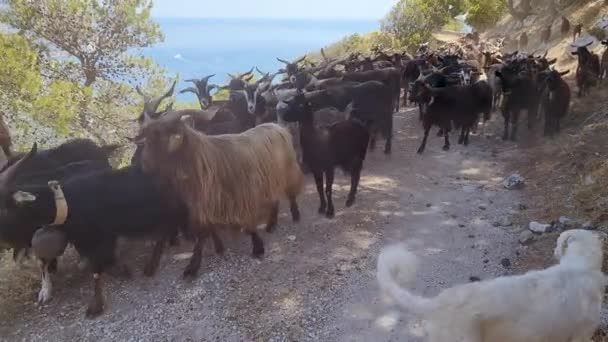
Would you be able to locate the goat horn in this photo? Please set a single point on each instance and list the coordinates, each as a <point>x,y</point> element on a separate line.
<point>300,60</point>
<point>323,54</point>
<point>9,174</point>
<point>546,53</point>
<point>206,78</point>
<point>246,74</point>
<point>192,80</point>
<point>282,61</point>
<point>190,90</point>
<point>259,71</point>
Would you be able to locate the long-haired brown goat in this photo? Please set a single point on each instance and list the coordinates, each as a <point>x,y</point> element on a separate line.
<point>232,180</point>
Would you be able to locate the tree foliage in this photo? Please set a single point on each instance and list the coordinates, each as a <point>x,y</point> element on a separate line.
<point>414,21</point>
<point>20,79</point>
<point>483,14</point>
<point>97,34</point>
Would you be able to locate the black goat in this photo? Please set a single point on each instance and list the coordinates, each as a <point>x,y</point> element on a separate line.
<point>520,94</point>
<point>343,144</point>
<point>389,76</point>
<point>460,105</point>
<point>99,207</point>
<point>372,102</point>
<point>202,90</point>
<point>60,163</point>
<point>291,68</point>
<point>588,71</point>
<point>555,104</point>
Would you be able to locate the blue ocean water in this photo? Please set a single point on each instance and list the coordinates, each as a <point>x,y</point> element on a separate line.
<point>195,47</point>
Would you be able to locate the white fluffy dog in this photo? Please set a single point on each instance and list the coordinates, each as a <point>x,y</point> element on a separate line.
<point>559,304</point>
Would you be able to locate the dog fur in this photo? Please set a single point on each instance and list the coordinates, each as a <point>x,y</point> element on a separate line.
<point>559,304</point>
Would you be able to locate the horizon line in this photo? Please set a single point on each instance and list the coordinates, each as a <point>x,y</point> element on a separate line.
<point>270,18</point>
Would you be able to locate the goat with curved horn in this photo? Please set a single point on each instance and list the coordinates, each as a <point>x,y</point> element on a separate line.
<point>282,61</point>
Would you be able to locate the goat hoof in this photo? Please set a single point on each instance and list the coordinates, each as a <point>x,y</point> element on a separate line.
<point>189,273</point>
<point>295,216</point>
<point>270,228</point>
<point>322,210</point>
<point>220,250</point>
<point>258,253</point>
<point>94,310</point>
<point>149,270</point>
<point>350,201</point>
<point>174,241</point>
<point>330,214</point>
<point>446,148</point>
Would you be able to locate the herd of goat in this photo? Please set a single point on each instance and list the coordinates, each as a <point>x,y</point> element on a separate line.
<point>226,166</point>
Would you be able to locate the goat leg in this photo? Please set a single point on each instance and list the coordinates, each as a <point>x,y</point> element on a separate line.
<point>53,266</point>
<point>329,182</point>
<point>461,136</point>
<point>466,136</point>
<point>507,118</point>
<point>293,207</point>
<point>372,140</point>
<point>97,303</point>
<point>354,183</point>
<point>426,135</point>
<point>46,288</point>
<point>514,124</point>
<point>152,264</point>
<point>217,243</point>
<point>174,238</point>
<point>388,133</point>
<point>319,183</point>
<point>446,136</point>
<point>197,253</point>
<point>274,218</point>
<point>258,245</point>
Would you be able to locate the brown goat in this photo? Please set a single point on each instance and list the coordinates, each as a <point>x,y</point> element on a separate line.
<point>545,35</point>
<point>523,40</point>
<point>565,26</point>
<point>232,180</point>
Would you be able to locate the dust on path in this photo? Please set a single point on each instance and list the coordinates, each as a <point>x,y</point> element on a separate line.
<point>317,280</point>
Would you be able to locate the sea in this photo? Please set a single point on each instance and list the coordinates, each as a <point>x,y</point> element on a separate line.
<point>195,47</point>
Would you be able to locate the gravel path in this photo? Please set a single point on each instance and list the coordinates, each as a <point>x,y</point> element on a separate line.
<point>316,282</point>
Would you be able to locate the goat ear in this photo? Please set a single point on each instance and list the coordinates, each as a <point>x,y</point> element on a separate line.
<point>562,244</point>
<point>552,61</point>
<point>22,198</point>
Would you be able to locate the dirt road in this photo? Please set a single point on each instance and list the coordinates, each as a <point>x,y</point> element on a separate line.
<point>316,282</point>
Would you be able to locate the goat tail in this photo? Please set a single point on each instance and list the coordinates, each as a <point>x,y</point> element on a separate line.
<point>397,262</point>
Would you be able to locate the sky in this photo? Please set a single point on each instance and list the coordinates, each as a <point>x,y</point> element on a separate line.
<point>287,9</point>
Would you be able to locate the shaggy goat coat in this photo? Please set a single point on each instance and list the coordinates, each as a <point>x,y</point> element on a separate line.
<point>559,304</point>
<point>230,179</point>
